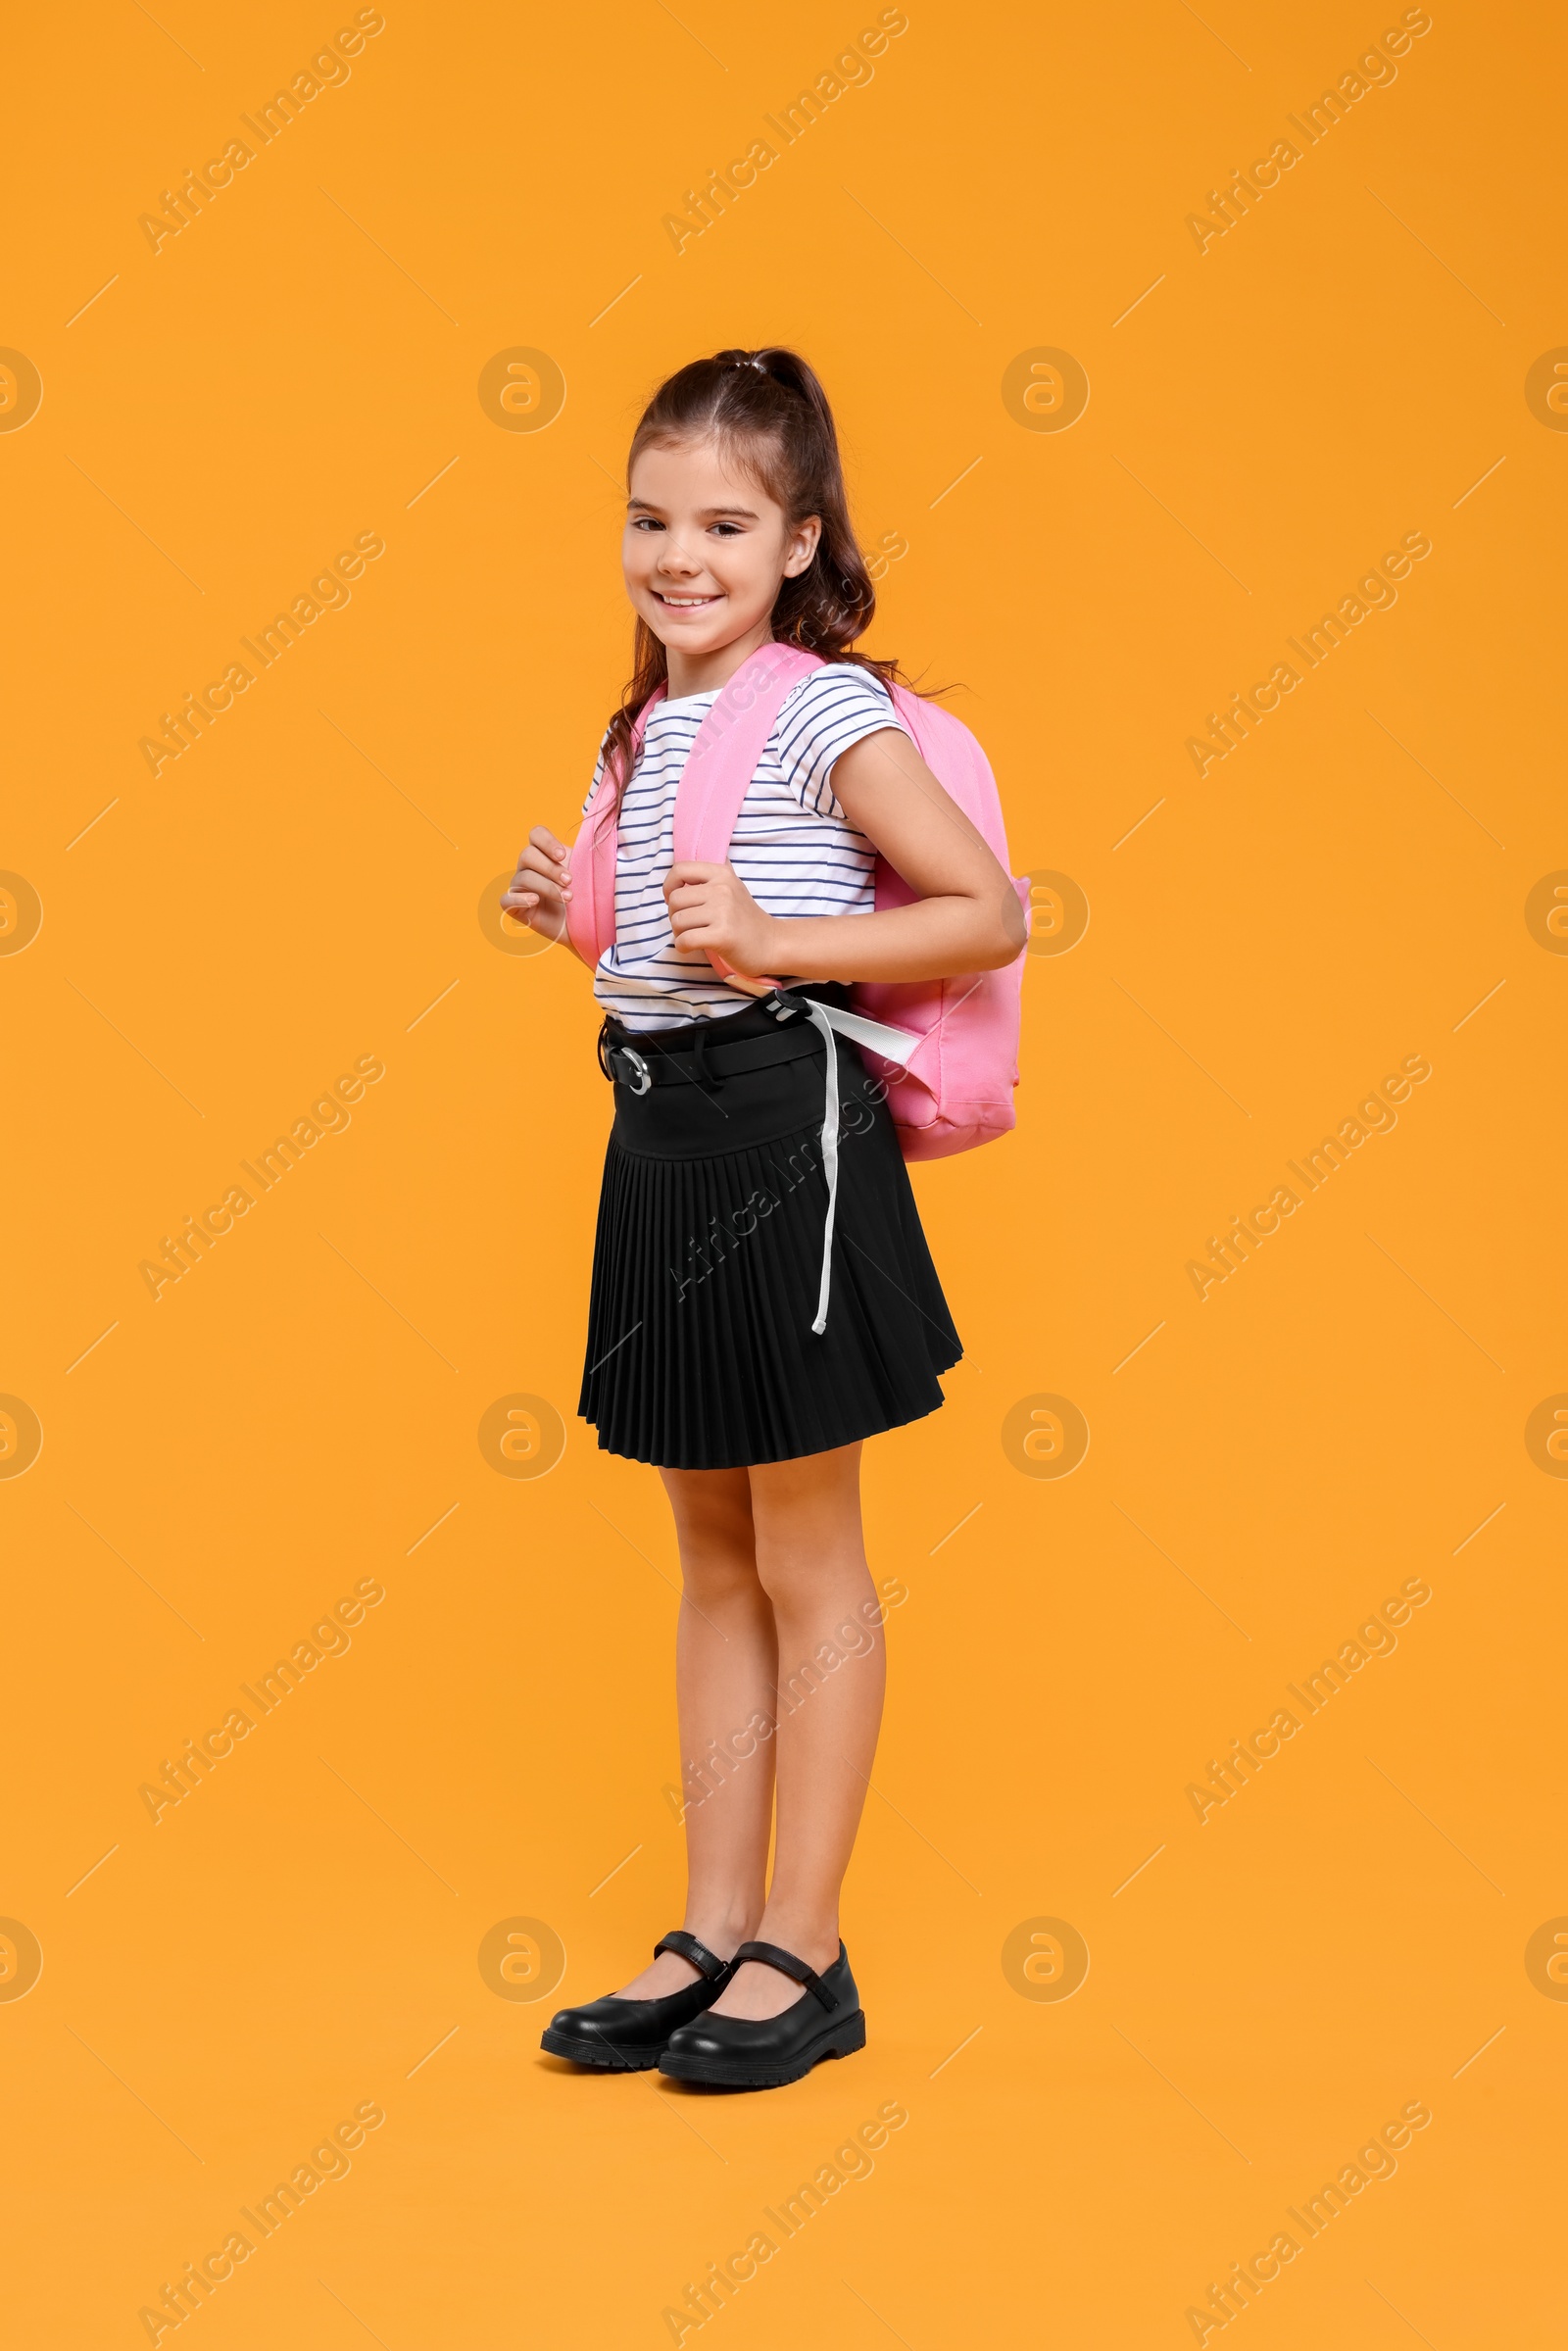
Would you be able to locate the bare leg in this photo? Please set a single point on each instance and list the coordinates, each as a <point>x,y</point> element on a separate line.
<point>726,1665</point>
<point>810,1563</point>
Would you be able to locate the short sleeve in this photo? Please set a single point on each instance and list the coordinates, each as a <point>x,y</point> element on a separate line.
<point>831,709</point>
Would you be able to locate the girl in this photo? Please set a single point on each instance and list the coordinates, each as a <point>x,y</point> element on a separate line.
<point>703,1358</point>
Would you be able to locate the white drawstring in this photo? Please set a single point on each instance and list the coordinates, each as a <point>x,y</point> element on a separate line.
<point>893,1045</point>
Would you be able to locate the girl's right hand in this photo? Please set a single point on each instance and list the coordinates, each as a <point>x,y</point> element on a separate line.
<point>541,886</point>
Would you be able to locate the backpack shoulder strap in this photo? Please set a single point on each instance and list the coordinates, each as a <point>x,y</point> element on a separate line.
<point>729,743</point>
<point>591,909</point>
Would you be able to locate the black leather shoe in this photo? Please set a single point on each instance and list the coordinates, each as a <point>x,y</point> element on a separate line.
<point>618,2035</point>
<point>738,2052</point>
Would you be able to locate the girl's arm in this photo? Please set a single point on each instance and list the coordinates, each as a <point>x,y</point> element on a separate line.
<point>966,916</point>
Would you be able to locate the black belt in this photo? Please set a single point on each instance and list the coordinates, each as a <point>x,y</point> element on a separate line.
<point>647,1064</point>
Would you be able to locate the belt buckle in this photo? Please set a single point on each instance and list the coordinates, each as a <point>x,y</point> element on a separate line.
<point>627,1053</point>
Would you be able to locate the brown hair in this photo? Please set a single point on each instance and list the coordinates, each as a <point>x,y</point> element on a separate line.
<point>768,408</point>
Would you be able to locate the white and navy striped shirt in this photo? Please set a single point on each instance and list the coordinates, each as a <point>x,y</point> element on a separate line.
<point>793,846</point>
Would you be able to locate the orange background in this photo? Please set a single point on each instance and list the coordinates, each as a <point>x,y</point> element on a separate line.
<point>296,1415</point>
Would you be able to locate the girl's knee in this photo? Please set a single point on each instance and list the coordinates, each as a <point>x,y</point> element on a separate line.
<point>718,1573</point>
<point>796,1574</point>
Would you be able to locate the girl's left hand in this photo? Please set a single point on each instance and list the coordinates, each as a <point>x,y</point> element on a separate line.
<point>710,909</point>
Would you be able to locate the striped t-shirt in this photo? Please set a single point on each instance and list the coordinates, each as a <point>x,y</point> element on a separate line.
<point>793,846</point>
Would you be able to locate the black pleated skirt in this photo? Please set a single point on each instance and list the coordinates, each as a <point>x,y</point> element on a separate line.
<point>708,1253</point>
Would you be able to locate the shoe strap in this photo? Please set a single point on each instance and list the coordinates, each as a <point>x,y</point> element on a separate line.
<point>787,1963</point>
<point>687,1946</point>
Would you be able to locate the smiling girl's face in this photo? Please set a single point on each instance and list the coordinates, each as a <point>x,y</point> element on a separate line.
<point>705,553</point>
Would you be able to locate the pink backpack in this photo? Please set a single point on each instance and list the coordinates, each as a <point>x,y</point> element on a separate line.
<point>957,1039</point>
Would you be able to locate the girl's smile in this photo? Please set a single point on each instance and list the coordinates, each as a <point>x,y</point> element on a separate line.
<point>705,553</point>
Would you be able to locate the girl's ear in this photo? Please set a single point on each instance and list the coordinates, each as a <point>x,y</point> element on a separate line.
<point>802,546</point>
